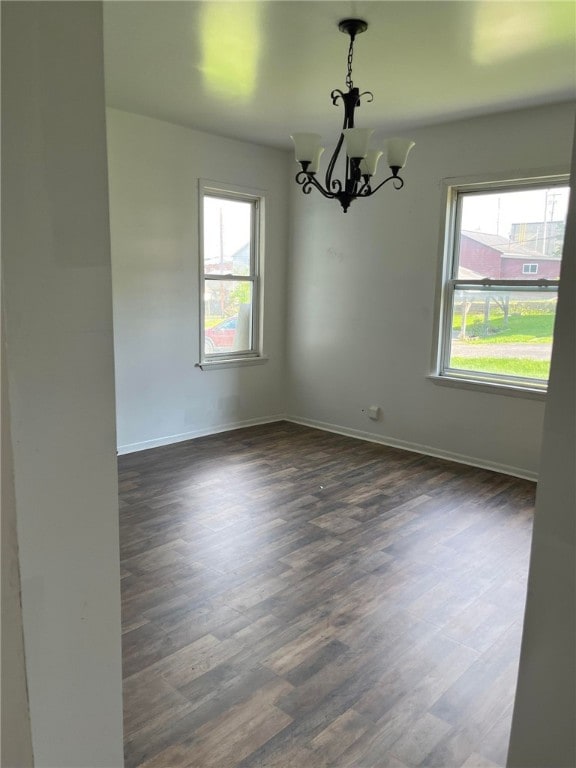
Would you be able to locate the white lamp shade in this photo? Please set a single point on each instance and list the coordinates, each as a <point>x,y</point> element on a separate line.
<point>369,163</point>
<point>398,151</point>
<point>357,141</point>
<point>306,145</point>
<point>315,163</point>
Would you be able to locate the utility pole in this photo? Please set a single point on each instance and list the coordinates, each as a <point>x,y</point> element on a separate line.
<point>549,246</point>
<point>545,234</point>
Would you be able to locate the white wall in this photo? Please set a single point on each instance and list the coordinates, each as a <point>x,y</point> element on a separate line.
<point>154,169</point>
<point>362,293</point>
<point>545,707</point>
<point>58,304</point>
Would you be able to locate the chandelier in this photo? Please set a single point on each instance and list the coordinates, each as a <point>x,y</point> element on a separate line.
<point>361,162</point>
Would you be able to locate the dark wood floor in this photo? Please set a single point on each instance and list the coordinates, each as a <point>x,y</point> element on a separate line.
<point>298,599</point>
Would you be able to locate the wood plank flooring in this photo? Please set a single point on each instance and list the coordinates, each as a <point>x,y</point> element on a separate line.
<point>299,599</point>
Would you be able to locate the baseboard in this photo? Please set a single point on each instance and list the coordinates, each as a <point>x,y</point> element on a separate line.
<point>404,445</point>
<point>427,450</point>
<point>145,445</point>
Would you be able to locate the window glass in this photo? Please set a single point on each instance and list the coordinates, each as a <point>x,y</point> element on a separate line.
<point>228,316</point>
<point>500,295</point>
<point>230,261</point>
<point>505,333</point>
<point>502,231</point>
<point>227,236</point>
<point>530,269</point>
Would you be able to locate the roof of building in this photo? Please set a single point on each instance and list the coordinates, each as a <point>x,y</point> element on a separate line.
<point>493,241</point>
<point>505,247</point>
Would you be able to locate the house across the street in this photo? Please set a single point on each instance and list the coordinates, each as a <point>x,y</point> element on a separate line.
<point>499,258</point>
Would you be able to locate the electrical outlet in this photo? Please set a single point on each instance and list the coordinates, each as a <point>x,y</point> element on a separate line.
<point>374,412</point>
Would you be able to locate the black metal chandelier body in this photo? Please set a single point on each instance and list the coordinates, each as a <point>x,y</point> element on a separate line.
<point>358,173</point>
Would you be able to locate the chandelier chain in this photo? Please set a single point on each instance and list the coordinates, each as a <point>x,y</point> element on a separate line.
<point>349,82</point>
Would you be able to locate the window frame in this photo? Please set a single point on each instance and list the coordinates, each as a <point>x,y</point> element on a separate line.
<point>453,190</point>
<point>256,198</point>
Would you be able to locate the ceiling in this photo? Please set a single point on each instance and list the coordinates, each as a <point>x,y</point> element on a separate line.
<point>259,71</point>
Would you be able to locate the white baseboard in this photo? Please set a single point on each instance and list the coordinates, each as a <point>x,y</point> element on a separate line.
<point>183,436</point>
<point>416,448</point>
<point>404,445</point>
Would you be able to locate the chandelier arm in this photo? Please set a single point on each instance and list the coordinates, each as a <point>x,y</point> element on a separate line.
<point>365,190</point>
<point>307,181</point>
<point>336,187</point>
<point>303,179</point>
<point>321,189</point>
<point>398,183</point>
<point>336,95</point>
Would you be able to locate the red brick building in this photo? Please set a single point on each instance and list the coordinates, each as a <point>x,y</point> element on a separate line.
<point>496,257</point>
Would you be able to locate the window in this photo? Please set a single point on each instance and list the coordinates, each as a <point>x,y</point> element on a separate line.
<point>502,261</point>
<point>230,269</point>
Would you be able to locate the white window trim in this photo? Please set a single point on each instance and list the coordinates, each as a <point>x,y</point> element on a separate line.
<point>255,356</point>
<point>450,188</point>
<point>231,362</point>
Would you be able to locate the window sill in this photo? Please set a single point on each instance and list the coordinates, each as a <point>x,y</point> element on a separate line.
<point>509,390</point>
<point>231,362</point>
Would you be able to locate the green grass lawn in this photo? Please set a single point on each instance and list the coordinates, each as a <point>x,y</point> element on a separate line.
<point>534,369</point>
<point>529,328</point>
<point>211,320</point>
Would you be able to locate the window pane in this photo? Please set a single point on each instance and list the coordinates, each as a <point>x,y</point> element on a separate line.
<point>227,234</point>
<point>512,235</point>
<point>227,316</point>
<point>504,333</point>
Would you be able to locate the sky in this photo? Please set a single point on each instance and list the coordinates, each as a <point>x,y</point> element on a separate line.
<point>235,228</point>
<point>494,213</point>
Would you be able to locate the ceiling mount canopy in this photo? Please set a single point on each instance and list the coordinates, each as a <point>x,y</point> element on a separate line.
<point>361,162</point>
<point>352,27</point>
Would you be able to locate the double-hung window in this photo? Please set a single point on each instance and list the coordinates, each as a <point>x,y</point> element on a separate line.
<point>502,257</point>
<point>230,256</point>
